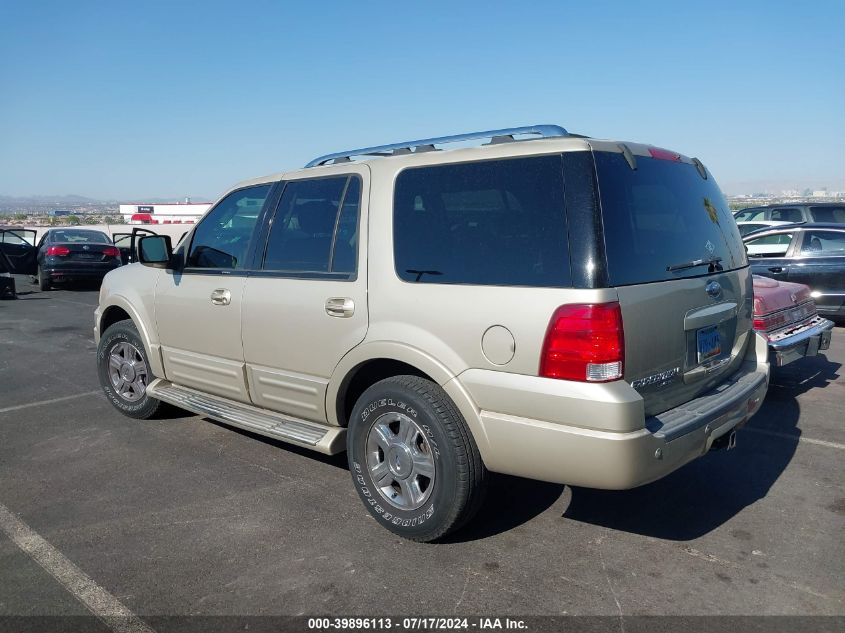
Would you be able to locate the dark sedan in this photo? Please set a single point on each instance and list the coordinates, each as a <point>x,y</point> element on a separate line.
<point>811,254</point>
<point>62,254</point>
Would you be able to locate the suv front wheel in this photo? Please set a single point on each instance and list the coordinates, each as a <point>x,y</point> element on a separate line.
<point>125,372</point>
<point>413,460</point>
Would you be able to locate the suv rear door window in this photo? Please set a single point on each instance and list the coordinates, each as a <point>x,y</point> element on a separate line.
<point>315,228</point>
<point>498,222</point>
<point>662,214</point>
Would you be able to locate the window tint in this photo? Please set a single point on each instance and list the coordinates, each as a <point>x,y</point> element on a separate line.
<point>489,223</point>
<point>748,215</point>
<point>304,228</point>
<point>787,214</point>
<point>662,214</point>
<point>221,239</point>
<point>821,243</point>
<point>773,245</point>
<point>828,214</point>
<point>77,236</point>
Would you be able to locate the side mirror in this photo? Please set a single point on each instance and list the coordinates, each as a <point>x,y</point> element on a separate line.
<point>155,251</point>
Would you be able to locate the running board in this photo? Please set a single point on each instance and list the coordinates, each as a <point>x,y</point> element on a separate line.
<point>322,438</point>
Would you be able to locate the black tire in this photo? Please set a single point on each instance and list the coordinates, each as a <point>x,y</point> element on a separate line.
<point>43,280</point>
<point>460,478</point>
<point>112,339</point>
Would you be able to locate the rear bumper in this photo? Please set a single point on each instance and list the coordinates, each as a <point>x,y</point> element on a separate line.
<point>807,342</point>
<point>56,273</point>
<point>562,453</point>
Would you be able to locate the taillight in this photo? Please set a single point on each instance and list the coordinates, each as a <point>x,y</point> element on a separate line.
<point>584,342</point>
<point>58,251</point>
<point>111,251</point>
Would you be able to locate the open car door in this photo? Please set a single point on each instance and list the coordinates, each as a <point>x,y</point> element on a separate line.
<point>19,250</point>
<point>126,242</point>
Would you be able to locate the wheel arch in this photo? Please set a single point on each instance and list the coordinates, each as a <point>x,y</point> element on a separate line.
<point>370,362</point>
<point>119,309</point>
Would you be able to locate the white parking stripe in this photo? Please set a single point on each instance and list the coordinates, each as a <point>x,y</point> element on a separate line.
<point>51,401</point>
<point>787,436</point>
<point>99,601</point>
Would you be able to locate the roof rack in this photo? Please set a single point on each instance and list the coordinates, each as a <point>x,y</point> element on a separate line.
<point>427,145</point>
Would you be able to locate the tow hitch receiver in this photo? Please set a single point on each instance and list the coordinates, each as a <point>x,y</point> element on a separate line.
<point>726,442</point>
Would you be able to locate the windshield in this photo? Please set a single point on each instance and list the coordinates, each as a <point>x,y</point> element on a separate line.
<point>662,217</point>
<point>71,236</point>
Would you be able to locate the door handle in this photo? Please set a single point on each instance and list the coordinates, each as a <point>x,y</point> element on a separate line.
<point>776,269</point>
<point>340,307</point>
<point>221,297</point>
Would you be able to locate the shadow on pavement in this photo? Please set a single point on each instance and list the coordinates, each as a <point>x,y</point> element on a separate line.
<point>706,493</point>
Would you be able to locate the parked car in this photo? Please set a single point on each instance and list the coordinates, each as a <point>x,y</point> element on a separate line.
<point>439,314</point>
<point>749,227</point>
<point>810,254</point>
<point>786,315</point>
<point>62,254</point>
<point>802,212</point>
<point>7,282</point>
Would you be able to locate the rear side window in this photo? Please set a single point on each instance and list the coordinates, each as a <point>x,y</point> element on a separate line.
<point>662,214</point>
<point>315,228</point>
<point>499,222</point>
<point>822,243</point>
<point>828,214</point>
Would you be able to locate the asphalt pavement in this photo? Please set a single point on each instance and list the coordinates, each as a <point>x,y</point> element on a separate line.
<point>185,516</point>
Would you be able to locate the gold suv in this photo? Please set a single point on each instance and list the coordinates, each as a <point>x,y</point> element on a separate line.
<point>542,304</point>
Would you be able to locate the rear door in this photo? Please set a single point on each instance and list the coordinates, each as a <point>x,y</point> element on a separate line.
<point>770,254</point>
<point>307,305</point>
<point>819,263</point>
<point>18,245</point>
<point>676,258</point>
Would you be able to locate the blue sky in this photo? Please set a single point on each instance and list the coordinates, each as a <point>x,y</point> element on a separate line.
<point>144,99</point>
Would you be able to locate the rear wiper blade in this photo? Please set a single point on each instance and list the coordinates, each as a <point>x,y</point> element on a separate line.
<point>420,273</point>
<point>713,263</point>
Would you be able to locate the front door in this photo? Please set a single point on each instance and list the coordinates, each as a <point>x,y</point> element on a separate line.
<point>307,305</point>
<point>18,245</point>
<point>198,307</point>
<point>820,264</point>
<point>769,254</point>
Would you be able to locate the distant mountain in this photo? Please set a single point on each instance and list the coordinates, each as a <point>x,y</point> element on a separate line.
<point>66,199</point>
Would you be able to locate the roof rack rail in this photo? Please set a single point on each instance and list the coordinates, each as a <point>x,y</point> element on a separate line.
<point>427,144</point>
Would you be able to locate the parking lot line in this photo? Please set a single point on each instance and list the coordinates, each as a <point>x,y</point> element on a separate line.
<point>99,601</point>
<point>788,436</point>
<point>50,401</point>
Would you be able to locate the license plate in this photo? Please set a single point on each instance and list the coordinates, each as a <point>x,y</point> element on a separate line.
<point>86,256</point>
<point>709,343</point>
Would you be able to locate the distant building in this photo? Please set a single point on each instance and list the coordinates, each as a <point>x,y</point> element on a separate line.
<point>57,213</point>
<point>171,213</point>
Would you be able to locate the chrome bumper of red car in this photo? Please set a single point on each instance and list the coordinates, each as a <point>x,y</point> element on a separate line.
<point>807,342</point>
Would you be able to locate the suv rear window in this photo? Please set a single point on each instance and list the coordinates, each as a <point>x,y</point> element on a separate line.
<point>498,222</point>
<point>661,214</point>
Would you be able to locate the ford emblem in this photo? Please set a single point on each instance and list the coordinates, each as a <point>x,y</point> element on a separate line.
<point>714,289</point>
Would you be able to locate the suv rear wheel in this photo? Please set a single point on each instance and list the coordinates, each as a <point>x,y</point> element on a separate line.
<point>125,372</point>
<point>413,460</point>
